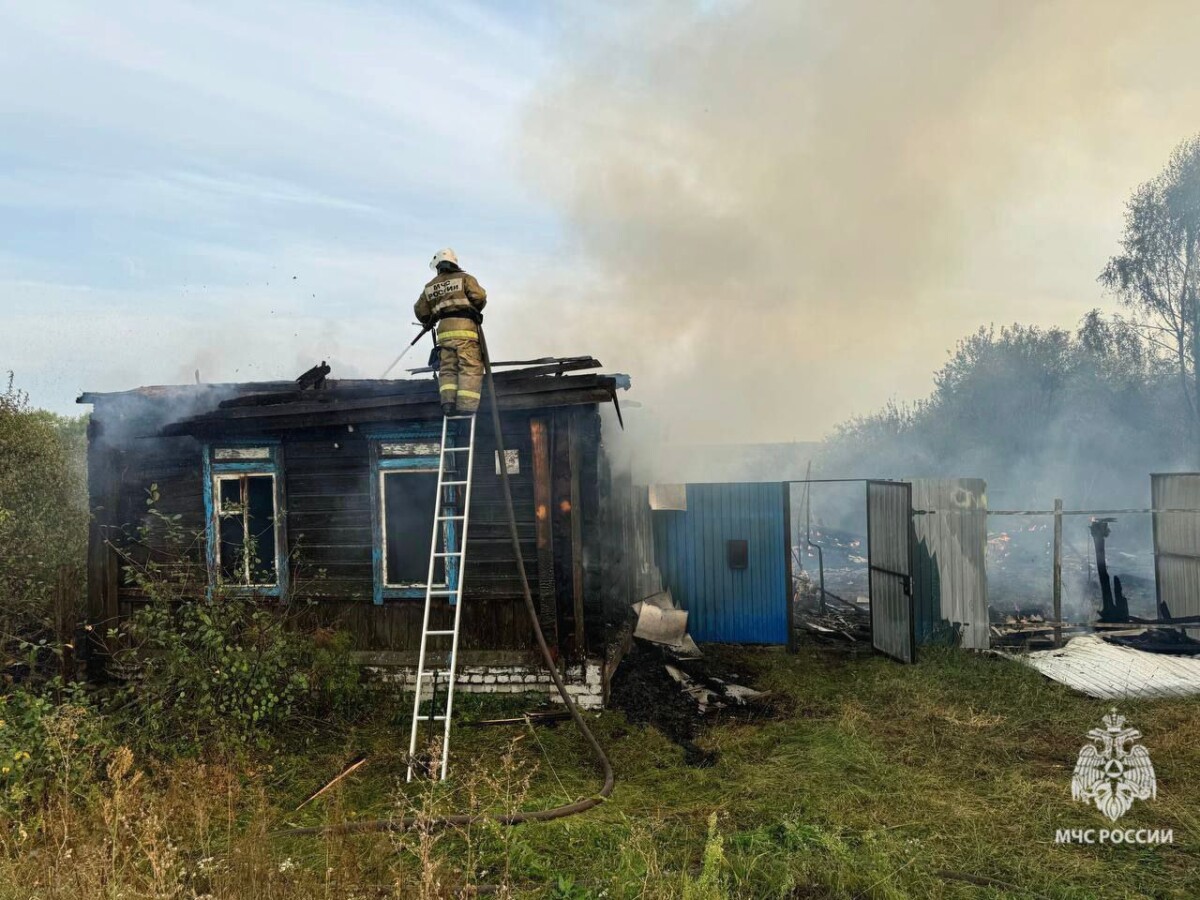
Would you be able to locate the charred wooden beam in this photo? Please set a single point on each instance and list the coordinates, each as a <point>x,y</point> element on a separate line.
<point>314,377</point>
<point>575,460</point>
<point>1166,621</point>
<point>1100,531</point>
<point>358,390</point>
<point>545,549</point>
<point>169,391</point>
<point>545,366</point>
<point>561,517</point>
<point>325,416</point>
<point>1120,602</point>
<point>424,392</point>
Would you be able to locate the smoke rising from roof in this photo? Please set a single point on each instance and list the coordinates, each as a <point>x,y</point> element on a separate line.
<point>783,213</point>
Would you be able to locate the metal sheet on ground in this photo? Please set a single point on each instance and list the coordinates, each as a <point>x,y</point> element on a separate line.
<point>1091,665</point>
<point>889,558</point>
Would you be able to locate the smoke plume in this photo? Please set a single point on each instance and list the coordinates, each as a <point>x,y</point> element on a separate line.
<point>782,213</point>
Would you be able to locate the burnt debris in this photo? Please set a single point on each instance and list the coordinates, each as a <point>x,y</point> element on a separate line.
<point>314,377</point>
<point>1114,608</point>
<point>275,406</point>
<point>1158,640</point>
<point>678,696</point>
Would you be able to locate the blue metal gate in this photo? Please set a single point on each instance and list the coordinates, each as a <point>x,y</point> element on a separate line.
<point>726,561</point>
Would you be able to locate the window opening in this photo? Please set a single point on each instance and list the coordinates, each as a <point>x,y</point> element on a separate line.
<point>408,497</point>
<point>246,529</point>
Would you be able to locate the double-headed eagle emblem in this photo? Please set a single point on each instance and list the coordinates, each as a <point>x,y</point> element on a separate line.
<point>1113,771</point>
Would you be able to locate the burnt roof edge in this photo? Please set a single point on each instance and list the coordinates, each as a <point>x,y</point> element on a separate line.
<point>562,390</point>
<point>548,366</point>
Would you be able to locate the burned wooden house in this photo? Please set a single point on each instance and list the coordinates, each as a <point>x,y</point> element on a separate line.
<point>322,493</point>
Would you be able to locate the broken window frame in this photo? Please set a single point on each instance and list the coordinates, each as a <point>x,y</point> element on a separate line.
<point>413,449</point>
<point>448,529</point>
<point>248,460</point>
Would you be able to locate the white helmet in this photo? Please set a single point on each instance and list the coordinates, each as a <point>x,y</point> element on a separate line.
<point>443,255</point>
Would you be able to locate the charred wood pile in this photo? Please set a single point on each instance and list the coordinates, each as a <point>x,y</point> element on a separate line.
<point>828,618</point>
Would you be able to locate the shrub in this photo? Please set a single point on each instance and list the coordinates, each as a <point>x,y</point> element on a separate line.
<point>336,680</point>
<point>226,671</point>
<point>43,522</point>
<point>47,747</point>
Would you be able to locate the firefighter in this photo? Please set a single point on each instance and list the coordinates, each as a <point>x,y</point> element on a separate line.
<point>455,300</point>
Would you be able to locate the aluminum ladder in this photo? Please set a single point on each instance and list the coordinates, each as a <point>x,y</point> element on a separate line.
<point>454,478</point>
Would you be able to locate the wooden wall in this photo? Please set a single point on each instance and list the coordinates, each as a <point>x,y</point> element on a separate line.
<point>329,521</point>
<point>627,568</point>
<point>328,501</point>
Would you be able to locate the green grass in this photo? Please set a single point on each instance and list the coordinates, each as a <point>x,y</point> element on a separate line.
<point>879,780</point>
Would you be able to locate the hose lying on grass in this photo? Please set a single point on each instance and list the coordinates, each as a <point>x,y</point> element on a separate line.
<point>541,815</point>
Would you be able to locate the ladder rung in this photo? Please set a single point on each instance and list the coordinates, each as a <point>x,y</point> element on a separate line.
<point>450,475</point>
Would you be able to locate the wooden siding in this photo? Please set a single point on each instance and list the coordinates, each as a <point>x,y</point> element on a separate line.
<point>327,503</point>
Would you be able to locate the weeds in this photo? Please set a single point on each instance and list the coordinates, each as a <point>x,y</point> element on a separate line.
<point>47,748</point>
<point>197,672</point>
<point>710,883</point>
<point>887,782</point>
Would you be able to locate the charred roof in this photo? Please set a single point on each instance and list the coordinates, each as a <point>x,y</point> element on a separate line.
<point>201,410</point>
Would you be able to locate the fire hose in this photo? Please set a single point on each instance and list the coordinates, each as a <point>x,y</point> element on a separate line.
<point>540,815</point>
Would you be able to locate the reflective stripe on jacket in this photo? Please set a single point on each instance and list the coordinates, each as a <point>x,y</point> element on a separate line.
<point>448,293</point>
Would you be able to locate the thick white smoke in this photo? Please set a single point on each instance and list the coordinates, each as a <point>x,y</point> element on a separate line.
<point>781,213</point>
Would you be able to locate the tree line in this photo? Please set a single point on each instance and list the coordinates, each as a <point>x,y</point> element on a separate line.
<point>1085,412</point>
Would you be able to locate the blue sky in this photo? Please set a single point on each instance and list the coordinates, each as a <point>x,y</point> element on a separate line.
<point>243,188</point>
<point>778,213</point>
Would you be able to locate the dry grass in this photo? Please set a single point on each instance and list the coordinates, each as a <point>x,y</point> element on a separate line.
<point>883,780</point>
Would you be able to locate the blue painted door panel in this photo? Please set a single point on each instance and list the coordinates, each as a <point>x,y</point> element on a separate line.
<point>727,605</point>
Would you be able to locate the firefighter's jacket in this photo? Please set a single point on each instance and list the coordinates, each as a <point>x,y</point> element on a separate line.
<point>454,299</point>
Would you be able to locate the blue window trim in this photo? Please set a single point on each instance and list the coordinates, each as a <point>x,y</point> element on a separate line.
<point>271,466</point>
<point>423,432</point>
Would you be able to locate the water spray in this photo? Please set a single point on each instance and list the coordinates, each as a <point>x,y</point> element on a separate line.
<point>404,352</point>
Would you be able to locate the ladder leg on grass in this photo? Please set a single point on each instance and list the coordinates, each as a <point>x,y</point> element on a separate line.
<point>455,477</point>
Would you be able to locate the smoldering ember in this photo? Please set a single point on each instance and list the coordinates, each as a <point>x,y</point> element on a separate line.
<point>677,450</point>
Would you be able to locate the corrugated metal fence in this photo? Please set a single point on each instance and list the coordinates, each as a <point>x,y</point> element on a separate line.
<point>889,555</point>
<point>726,561</point>
<point>949,549</point>
<point>1177,541</point>
<point>927,543</point>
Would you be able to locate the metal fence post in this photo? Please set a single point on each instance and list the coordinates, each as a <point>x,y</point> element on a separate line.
<point>1058,547</point>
